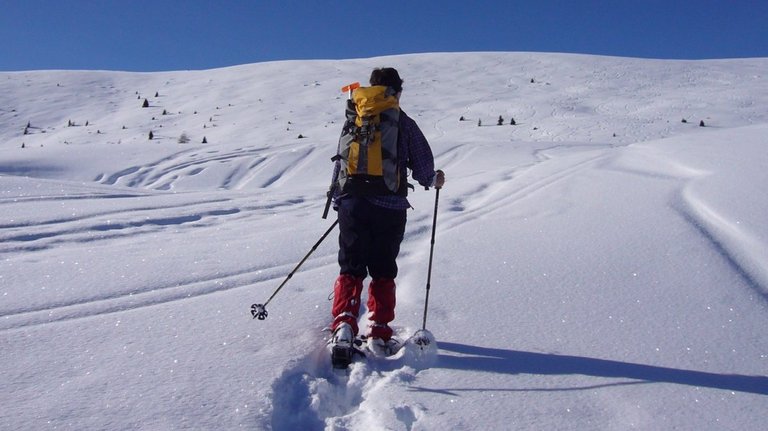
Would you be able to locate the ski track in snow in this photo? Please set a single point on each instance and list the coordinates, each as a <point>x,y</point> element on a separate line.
<point>493,194</point>
<point>151,296</point>
<point>95,226</point>
<point>105,227</point>
<point>245,166</point>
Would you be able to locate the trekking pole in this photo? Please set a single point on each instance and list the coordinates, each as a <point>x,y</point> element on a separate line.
<point>332,189</point>
<point>431,254</point>
<point>259,311</point>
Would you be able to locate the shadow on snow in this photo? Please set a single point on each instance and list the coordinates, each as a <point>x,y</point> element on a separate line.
<point>517,362</point>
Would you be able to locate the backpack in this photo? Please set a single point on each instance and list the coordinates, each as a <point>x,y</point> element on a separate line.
<point>367,150</point>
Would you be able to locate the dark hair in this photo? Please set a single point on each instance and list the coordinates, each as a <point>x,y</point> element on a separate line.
<point>387,76</point>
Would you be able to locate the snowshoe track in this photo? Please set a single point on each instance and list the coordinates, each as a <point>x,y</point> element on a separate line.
<point>311,395</point>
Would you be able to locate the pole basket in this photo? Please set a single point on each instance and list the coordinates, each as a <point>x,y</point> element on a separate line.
<point>423,339</point>
<point>259,311</point>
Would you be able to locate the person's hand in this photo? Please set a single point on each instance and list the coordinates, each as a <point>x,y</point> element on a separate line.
<point>439,179</point>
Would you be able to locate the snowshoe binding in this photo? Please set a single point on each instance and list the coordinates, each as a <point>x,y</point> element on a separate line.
<point>380,348</point>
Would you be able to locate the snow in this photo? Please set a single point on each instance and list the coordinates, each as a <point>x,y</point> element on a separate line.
<point>600,265</point>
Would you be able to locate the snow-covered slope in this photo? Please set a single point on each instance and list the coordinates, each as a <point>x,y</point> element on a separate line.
<point>599,265</point>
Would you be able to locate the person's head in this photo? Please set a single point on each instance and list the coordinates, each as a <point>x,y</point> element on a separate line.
<point>387,76</point>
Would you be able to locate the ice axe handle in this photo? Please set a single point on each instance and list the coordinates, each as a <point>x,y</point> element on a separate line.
<point>350,88</point>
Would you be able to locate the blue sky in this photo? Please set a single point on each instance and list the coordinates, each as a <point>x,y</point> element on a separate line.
<point>153,35</point>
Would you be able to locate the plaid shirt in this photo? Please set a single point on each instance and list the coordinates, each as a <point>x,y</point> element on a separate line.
<point>419,159</point>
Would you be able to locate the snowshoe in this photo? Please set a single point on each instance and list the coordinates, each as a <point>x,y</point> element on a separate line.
<point>343,347</point>
<point>342,356</point>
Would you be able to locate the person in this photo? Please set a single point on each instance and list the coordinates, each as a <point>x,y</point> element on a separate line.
<point>371,231</point>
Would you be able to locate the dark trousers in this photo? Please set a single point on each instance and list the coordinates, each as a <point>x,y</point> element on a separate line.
<point>369,242</point>
<point>369,238</point>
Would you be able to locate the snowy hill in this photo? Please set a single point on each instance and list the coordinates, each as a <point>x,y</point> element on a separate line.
<point>601,264</point>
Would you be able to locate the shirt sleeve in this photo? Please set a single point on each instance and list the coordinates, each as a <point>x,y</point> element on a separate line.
<point>420,158</point>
